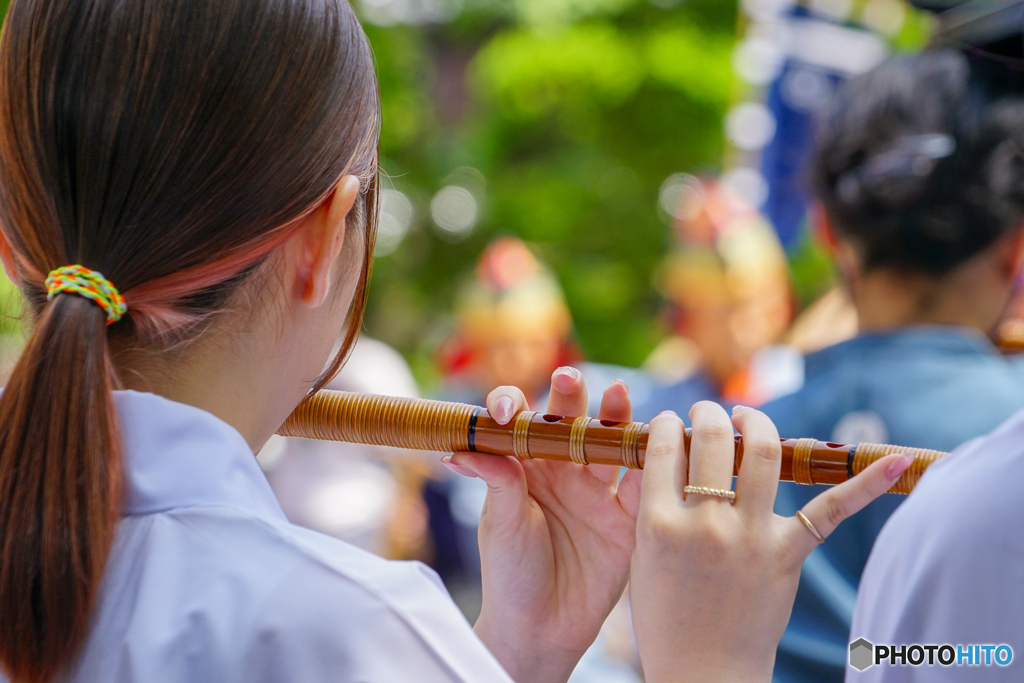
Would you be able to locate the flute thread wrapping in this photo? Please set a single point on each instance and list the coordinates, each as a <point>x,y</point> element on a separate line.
<point>631,445</point>
<point>445,427</point>
<point>577,440</point>
<point>802,452</point>
<point>382,421</point>
<point>868,453</point>
<point>521,435</point>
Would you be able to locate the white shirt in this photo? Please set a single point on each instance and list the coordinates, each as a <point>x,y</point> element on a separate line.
<point>207,580</point>
<point>948,567</point>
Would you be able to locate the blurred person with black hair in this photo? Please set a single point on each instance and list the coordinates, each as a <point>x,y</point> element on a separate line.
<point>919,175</point>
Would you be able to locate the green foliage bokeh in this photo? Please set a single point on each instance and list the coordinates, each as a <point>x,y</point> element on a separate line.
<point>571,113</point>
<point>565,116</point>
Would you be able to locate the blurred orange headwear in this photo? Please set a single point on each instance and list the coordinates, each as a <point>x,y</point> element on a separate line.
<point>726,251</point>
<point>511,293</point>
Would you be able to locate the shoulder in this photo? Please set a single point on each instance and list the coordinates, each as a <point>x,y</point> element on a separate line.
<point>992,464</point>
<point>343,608</point>
<point>950,560</point>
<point>962,492</point>
<point>263,600</point>
<point>357,577</point>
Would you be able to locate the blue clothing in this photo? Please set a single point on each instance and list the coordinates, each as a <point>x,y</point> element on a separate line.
<point>929,387</point>
<point>208,582</point>
<point>678,397</point>
<point>642,387</point>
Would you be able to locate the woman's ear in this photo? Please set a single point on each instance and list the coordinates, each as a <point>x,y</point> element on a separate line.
<point>821,228</point>
<point>844,256</point>
<point>7,258</point>
<point>1013,253</point>
<point>321,240</point>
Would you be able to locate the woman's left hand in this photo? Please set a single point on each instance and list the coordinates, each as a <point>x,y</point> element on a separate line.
<point>556,540</point>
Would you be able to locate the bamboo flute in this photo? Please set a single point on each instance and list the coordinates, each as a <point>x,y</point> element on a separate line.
<point>448,427</point>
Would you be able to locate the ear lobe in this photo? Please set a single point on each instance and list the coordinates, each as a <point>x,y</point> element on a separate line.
<point>7,259</point>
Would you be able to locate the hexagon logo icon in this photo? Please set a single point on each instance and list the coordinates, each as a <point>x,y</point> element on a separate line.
<point>862,654</point>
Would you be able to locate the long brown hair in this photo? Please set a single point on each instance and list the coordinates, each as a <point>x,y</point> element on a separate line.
<point>170,145</point>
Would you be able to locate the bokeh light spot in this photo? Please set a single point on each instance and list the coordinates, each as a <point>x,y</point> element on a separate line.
<point>455,212</point>
<point>750,126</point>
<point>396,214</point>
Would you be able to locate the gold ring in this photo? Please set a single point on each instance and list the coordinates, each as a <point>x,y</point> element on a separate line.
<point>810,527</point>
<point>631,445</point>
<point>577,448</point>
<point>718,493</point>
<point>521,435</point>
<point>802,451</point>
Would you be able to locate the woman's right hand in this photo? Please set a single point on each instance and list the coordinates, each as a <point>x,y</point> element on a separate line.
<point>712,583</point>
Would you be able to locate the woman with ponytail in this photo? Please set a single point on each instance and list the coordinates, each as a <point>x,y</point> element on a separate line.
<point>188,201</point>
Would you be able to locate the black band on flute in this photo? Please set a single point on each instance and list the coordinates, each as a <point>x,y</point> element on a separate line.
<point>471,437</point>
<point>849,460</point>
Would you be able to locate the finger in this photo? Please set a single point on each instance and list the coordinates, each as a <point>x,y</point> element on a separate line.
<point>630,490</point>
<point>712,448</point>
<point>664,464</point>
<point>830,508</point>
<point>504,402</point>
<point>762,460</point>
<point>615,407</point>
<point>568,393</point>
<point>615,403</point>
<point>507,498</point>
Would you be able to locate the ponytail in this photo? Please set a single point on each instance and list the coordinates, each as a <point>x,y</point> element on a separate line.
<point>170,144</point>
<point>60,484</point>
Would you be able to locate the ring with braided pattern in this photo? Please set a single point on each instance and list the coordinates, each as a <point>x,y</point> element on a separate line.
<point>705,491</point>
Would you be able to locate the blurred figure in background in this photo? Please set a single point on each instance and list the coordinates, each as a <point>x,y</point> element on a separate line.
<point>919,172</point>
<point>365,495</point>
<point>728,285</point>
<point>513,327</point>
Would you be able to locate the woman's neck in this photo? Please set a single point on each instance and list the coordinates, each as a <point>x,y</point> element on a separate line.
<point>246,379</point>
<point>971,296</point>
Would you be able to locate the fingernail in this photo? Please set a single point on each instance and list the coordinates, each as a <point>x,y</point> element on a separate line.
<point>565,378</point>
<point>667,413</point>
<point>623,385</point>
<point>447,462</point>
<point>899,466</point>
<point>739,409</point>
<point>503,409</point>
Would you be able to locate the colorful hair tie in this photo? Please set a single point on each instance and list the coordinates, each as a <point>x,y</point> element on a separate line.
<point>90,284</point>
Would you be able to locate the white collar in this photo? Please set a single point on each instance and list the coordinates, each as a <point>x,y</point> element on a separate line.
<point>178,456</point>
